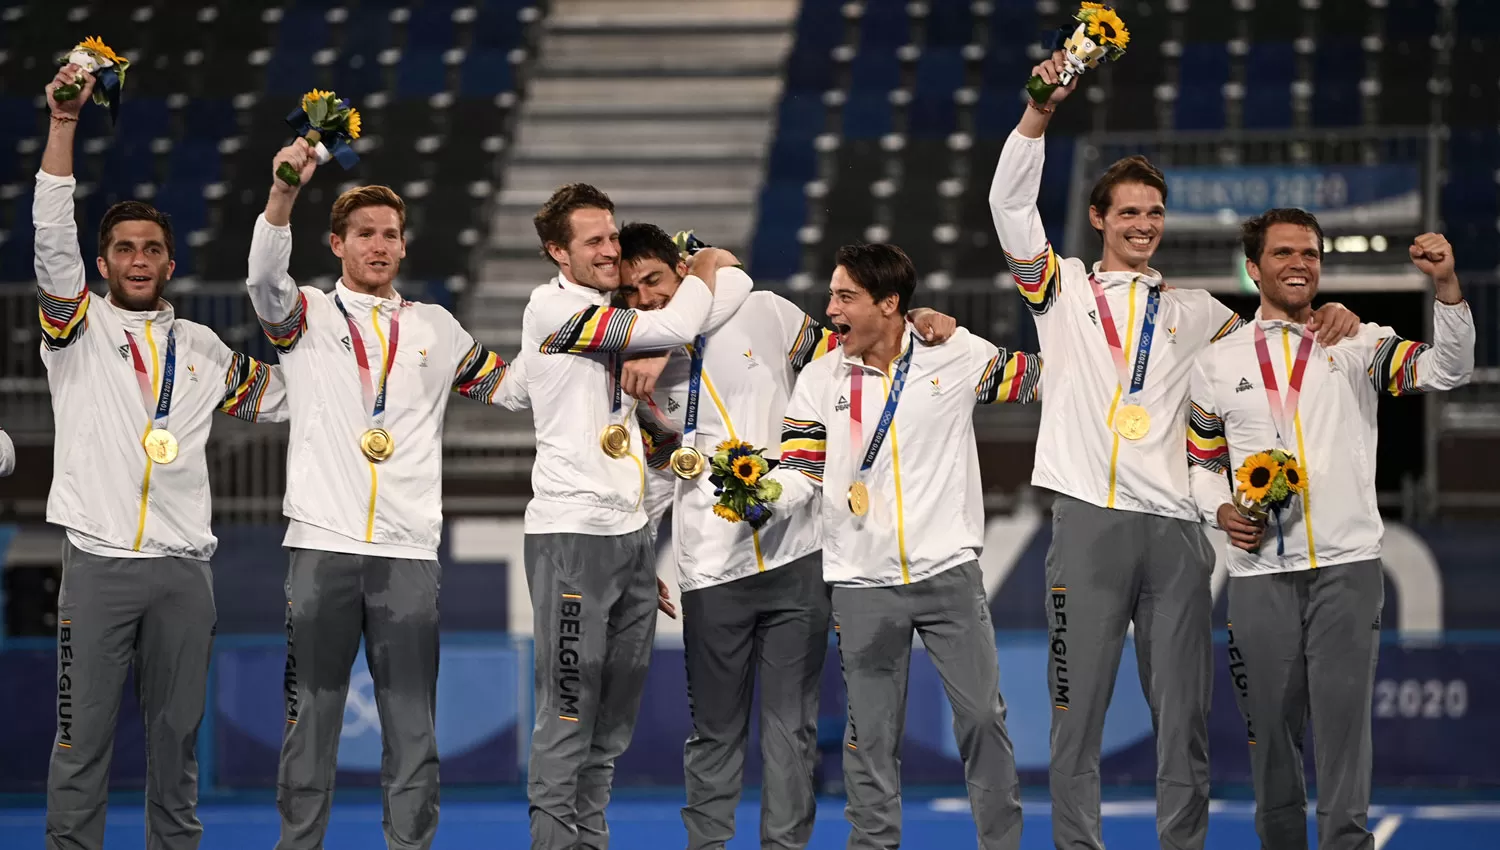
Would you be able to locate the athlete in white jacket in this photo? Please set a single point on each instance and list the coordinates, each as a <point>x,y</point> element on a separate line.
<point>134,389</point>
<point>1305,592</point>
<point>369,375</point>
<point>1126,542</point>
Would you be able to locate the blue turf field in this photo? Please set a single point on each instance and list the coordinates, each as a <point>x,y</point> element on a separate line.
<point>638,824</point>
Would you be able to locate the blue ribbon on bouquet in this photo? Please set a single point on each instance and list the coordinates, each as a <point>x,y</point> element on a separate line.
<point>335,141</point>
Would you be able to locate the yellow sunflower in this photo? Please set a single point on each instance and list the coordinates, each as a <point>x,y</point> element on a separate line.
<point>1296,482</point>
<point>96,44</point>
<point>730,445</point>
<point>1255,475</point>
<point>1106,28</point>
<point>726,512</point>
<point>313,97</point>
<point>746,469</point>
<point>1091,7</point>
<point>353,123</point>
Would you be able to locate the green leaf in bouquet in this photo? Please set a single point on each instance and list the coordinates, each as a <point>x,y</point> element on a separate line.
<point>318,113</point>
<point>769,490</point>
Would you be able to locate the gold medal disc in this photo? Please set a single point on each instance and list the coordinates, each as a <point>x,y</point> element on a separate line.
<point>859,498</point>
<point>160,445</point>
<point>377,444</point>
<point>1132,422</point>
<point>687,463</point>
<point>615,441</point>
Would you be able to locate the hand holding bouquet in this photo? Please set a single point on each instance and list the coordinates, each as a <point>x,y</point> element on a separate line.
<point>1099,37</point>
<point>322,115</point>
<point>106,66</point>
<point>737,471</point>
<point>1264,484</point>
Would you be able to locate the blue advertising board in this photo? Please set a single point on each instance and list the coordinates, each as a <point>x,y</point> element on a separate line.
<point>1341,196</point>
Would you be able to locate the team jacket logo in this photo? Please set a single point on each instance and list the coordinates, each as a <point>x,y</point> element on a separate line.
<point>124,351</point>
<point>192,373</point>
<point>347,346</point>
<point>1171,336</point>
<point>423,364</point>
<point>672,405</point>
<point>750,362</point>
<point>1244,385</point>
<point>569,634</point>
<point>65,684</point>
<point>1059,647</point>
<point>937,386</point>
<point>843,404</point>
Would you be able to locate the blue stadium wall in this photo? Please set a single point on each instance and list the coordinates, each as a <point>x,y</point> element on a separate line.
<point>1436,704</point>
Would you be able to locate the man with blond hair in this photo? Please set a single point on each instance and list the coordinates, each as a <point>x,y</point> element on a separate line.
<point>368,375</point>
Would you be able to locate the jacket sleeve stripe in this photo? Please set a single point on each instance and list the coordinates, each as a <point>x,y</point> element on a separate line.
<point>480,374</point>
<point>244,387</point>
<point>813,341</point>
<point>285,333</point>
<point>63,319</point>
<point>592,329</point>
<point>1394,367</point>
<point>1037,278</point>
<point>1206,446</point>
<point>804,446</point>
<point>1009,377</point>
<point>1235,323</point>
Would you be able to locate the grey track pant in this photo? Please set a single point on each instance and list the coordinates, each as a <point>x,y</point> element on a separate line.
<point>593,604</point>
<point>332,600</point>
<point>1301,644</point>
<point>952,614</point>
<point>775,622</point>
<point>155,613</point>
<point>1105,570</point>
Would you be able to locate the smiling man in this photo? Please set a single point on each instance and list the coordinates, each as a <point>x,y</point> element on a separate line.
<point>754,602</point>
<point>369,375</point>
<point>1305,595</point>
<point>134,389</point>
<point>883,430</point>
<point>590,558</point>
<point>1126,542</point>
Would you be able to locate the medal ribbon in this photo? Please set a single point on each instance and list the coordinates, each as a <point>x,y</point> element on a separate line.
<point>374,398</point>
<point>695,383</point>
<point>887,416</point>
<point>1283,412</point>
<point>162,402</point>
<point>1132,381</point>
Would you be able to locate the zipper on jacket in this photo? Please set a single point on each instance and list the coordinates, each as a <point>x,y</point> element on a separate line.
<point>1312,550</point>
<point>140,528</point>
<point>1109,422</point>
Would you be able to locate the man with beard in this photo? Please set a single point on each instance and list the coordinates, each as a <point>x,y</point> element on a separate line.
<point>1126,543</point>
<point>590,558</point>
<point>752,600</point>
<point>368,377</point>
<point>1305,594</point>
<point>133,391</point>
<point>883,429</point>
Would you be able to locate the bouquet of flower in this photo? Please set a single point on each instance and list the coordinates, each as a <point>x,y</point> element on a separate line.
<point>737,470</point>
<point>322,115</point>
<point>108,68</point>
<point>1266,483</point>
<point>1099,37</point>
<point>688,243</point>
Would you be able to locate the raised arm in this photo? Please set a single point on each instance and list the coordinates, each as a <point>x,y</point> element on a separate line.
<point>1400,366</point>
<point>62,288</point>
<point>279,304</point>
<point>1013,194</point>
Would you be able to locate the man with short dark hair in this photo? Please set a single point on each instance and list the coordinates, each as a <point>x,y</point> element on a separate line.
<point>590,558</point>
<point>1305,593</point>
<point>1126,544</point>
<point>134,388</point>
<point>883,430</point>
<point>753,600</point>
<point>369,375</point>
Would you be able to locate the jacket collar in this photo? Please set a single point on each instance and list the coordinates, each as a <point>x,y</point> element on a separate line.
<point>364,302</point>
<point>1108,280</point>
<point>135,320</point>
<point>908,340</point>
<point>593,295</point>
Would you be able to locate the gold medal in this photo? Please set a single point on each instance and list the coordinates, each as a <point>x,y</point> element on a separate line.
<point>687,463</point>
<point>615,441</point>
<point>377,444</point>
<point>859,498</point>
<point>160,445</point>
<point>1132,422</point>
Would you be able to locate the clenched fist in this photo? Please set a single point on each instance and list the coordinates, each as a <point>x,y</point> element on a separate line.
<point>67,75</point>
<point>1049,70</point>
<point>301,157</point>
<point>1433,256</point>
